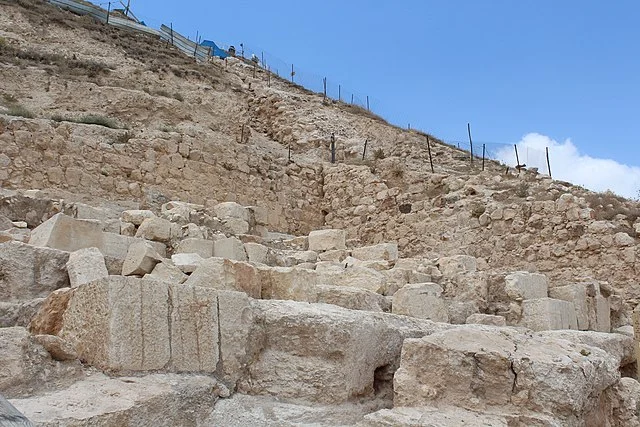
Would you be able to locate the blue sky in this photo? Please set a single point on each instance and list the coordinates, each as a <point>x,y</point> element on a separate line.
<point>567,70</point>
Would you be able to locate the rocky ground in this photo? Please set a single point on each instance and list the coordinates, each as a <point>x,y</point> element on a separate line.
<point>163,262</point>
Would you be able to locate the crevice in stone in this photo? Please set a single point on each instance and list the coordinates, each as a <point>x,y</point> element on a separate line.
<point>220,364</point>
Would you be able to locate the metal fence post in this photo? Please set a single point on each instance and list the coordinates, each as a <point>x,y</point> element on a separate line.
<point>333,148</point>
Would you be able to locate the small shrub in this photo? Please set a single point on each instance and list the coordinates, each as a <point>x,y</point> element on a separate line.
<point>477,209</point>
<point>20,111</point>
<point>3,42</point>
<point>123,138</point>
<point>397,172</point>
<point>94,119</point>
<point>522,190</point>
<point>378,154</point>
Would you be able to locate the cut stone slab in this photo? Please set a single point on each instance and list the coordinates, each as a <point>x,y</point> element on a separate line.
<point>545,314</point>
<point>256,252</point>
<point>10,416</point>
<point>288,283</point>
<point>383,251</point>
<point>577,295</point>
<point>231,210</point>
<point>202,247</point>
<point>523,285</point>
<point>29,272</point>
<point>327,240</point>
<point>163,400</point>
<point>482,368</point>
<point>57,348</point>
<point>86,265</point>
<point>230,248</point>
<point>421,300</point>
<point>599,313</point>
<point>351,298</point>
<point>187,262</point>
<point>486,319</point>
<point>235,226</point>
<point>236,322</point>
<point>356,277</point>
<point>431,416</point>
<point>68,234</point>
<point>158,229</point>
<point>137,216</point>
<point>166,271</point>
<point>226,274</point>
<point>141,259</point>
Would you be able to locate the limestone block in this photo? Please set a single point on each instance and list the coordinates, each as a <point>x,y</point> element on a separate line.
<point>547,314</point>
<point>481,368</point>
<point>19,313</point>
<point>486,319</point>
<point>136,217</point>
<point>623,239</point>
<point>235,226</point>
<point>326,240</point>
<point>117,246</point>
<point>202,247</point>
<point>29,272</point>
<point>620,347</point>
<point>166,271</point>
<point>48,319</point>
<point>179,212</point>
<point>290,283</point>
<point>226,274</point>
<point>577,294</point>
<point>351,298</point>
<point>5,237</point>
<point>68,234</point>
<point>256,252</point>
<point>236,323</point>
<point>440,417</point>
<point>299,257</point>
<point>230,248</point>
<point>334,255</point>
<point>161,400</point>
<point>599,313</point>
<point>127,229</point>
<point>187,263</point>
<point>158,229</point>
<point>357,277</point>
<point>231,210</point>
<point>141,259</point>
<point>5,223</point>
<point>421,300</point>
<point>523,285</point>
<point>383,251</point>
<point>459,311</point>
<point>458,264</point>
<point>86,265</point>
<point>259,215</point>
<point>57,348</point>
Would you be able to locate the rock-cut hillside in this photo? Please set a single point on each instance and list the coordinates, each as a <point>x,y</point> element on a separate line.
<point>176,249</point>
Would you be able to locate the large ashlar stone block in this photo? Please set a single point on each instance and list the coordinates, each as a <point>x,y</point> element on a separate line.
<point>356,277</point>
<point>124,323</point>
<point>29,272</point>
<point>202,247</point>
<point>136,216</point>
<point>383,251</point>
<point>351,298</point>
<point>576,294</point>
<point>256,252</point>
<point>523,285</point>
<point>187,263</point>
<point>168,272</point>
<point>486,319</point>
<point>236,323</point>
<point>323,353</point>
<point>226,274</point>
<point>231,210</point>
<point>421,300</point>
<point>230,248</point>
<point>544,314</point>
<point>158,229</point>
<point>599,313</point>
<point>86,265</point>
<point>68,234</point>
<point>141,259</point>
<point>483,368</point>
<point>288,283</point>
<point>327,240</point>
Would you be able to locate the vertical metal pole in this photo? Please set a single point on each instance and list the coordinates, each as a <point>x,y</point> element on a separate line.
<point>195,51</point>
<point>171,33</point>
<point>324,85</point>
<point>482,156</point>
<point>430,158</point>
<point>515,146</point>
<point>368,103</point>
<point>333,148</point>
<point>292,73</point>
<point>339,93</point>
<point>470,141</point>
<point>108,12</point>
<point>351,99</point>
<point>365,148</point>
<point>549,169</point>
<point>262,54</point>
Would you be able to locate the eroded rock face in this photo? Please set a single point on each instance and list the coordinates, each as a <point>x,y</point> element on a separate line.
<point>482,368</point>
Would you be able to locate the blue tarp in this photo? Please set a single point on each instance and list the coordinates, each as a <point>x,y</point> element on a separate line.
<point>215,50</point>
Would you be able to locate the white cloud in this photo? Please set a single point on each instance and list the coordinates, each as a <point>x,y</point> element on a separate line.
<point>568,164</point>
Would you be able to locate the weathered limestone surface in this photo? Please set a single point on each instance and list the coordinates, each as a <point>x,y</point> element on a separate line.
<point>382,251</point>
<point>230,248</point>
<point>326,240</point>
<point>288,283</point>
<point>30,272</point>
<point>226,274</point>
<point>141,259</point>
<point>523,285</point>
<point>478,368</point>
<point>164,400</point>
<point>202,247</point>
<point>356,277</point>
<point>68,234</point>
<point>158,229</point>
<point>165,270</point>
<point>48,320</point>
<point>486,319</point>
<point>86,265</point>
<point>187,262</point>
<point>256,252</point>
<point>547,313</point>
<point>421,300</point>
<point>577,295</point>
<point>351,298</point>
<point>136,216</point>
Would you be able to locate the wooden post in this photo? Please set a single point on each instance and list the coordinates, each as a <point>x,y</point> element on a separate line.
<point>293,73</point>
<point>108,11</point>
<point>195,51</point>
<point>351,99</point>
<point>268,77</point>
<point>549,169</point>
<point>430,158</point>
<point>171,33</point>
<point>368,103</point>
<point>339,92</point>
<point>482,156</point>
<point>324,85</point>
<point>515,146</point>
<point>262,55</point>
<point>365,148</point>
<point>470,141</point>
